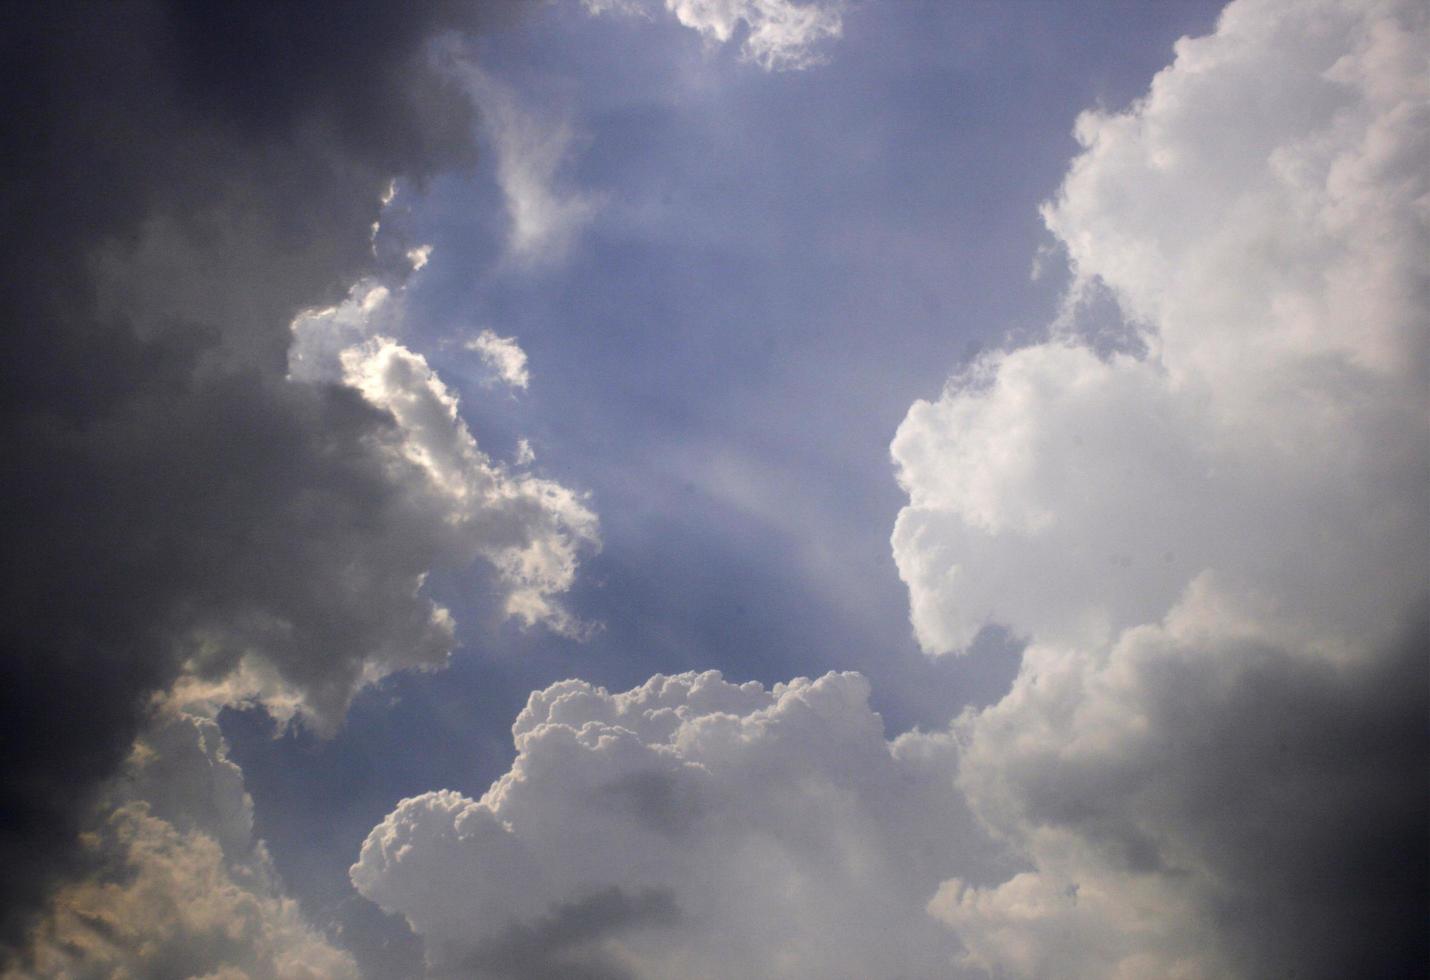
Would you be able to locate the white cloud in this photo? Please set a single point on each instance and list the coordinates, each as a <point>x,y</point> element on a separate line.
<point>715,829</point>
<point>779,35</point>
<point>1216,547</point>
<point>182,888</point>
<point>1271,248</point>
<point>503,356</point>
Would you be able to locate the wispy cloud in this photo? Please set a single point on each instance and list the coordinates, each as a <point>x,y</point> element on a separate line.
<point>545,215</point>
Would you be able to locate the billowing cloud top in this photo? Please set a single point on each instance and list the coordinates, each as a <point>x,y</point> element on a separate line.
<point>690,827</point>
<point>1261,218</point>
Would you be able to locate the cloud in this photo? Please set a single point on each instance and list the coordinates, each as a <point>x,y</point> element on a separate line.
<point>531,531</point>
<point>181,509</point>
<point>1215,540</point>
<point>689,827</point>
<point>503,355</point>
<point>778,35</point>
<point>179,887</point>
<point>544,215</point>
<point>1203,800</point>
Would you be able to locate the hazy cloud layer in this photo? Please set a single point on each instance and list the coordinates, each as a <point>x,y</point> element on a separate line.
<point>740,832</point>
<point>1215,752</point>
<point>184,179</point>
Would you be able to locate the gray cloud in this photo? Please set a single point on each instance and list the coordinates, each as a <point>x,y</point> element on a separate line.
<point>181,179</point>
<point>176,886</point>
<point>565,942</point>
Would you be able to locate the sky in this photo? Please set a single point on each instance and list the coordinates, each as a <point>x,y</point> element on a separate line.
<point>716,488</point>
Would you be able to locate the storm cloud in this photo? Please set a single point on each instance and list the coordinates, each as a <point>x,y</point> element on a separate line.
<point>181,180</point>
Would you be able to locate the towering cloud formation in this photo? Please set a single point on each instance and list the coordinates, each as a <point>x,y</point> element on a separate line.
<point>181,179</point>
<point>1215,752</point>
<point>690,827</point>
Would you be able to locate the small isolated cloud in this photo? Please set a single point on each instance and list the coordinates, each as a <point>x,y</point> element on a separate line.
<point>778,35</point>
<point>1213,756</point>
<point>503,356</point>
<point>690,827</point>
<point>531,531</point>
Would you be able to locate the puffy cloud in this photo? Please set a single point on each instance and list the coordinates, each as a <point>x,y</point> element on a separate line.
<point>503,356</point>
<point>689,827</point>
<point>778,35</point>
<point>1213,756</point>
<point>181,509</point>
<point>179,886</point>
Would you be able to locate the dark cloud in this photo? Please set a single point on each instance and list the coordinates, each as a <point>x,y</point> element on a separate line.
<point>179,180</point>
<point>661,801</point>
<point>1279,798</point>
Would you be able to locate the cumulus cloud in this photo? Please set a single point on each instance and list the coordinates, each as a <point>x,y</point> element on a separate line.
<point>778,35</point>
<point>184,508</point>
<point>503,356</point>
<point>180,888</point>
<point>689,827</point>
<point>1214,753</point>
